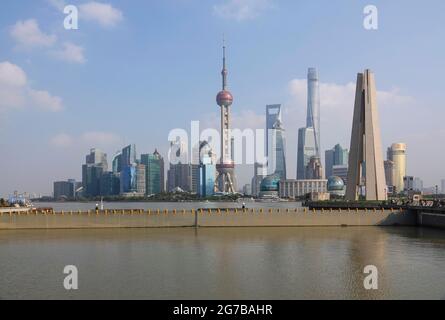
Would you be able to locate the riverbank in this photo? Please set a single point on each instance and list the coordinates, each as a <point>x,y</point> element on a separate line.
<point>182,218</point>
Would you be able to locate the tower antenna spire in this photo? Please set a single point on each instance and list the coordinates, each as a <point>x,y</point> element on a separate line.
<point>224,71</point>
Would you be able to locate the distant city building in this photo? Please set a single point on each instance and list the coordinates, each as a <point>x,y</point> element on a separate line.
<point>418,184</point>
<point>336,186</point>
<point>117,162</point>
<point>397,154</point>
<point>277,150</point>
<point>341,171</point>
<point>179,177</point>
<point>314,170</point>
<point>128,183</point>
<point>194,178</point>
<point>259,173</point>
<point>154,173</point>
<point>97,157</point>
<point>292,189</point>
<point>275,141</point>
<point>389,175</point>
<point>408,184</point>
<point>65,189</point>
<point>110,184</point>
<point>366,172</point>
<point>140,179</point>
<point>207,170</point>
<point>273,114</point>
<point>335,157</point>
<point>96,164</point>
<point>306,150</point>
<point>247,189</point>
<point>442,182</point>
<point>270,186</point>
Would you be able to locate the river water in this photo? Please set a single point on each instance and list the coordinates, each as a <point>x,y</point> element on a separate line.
<point>233,263</point>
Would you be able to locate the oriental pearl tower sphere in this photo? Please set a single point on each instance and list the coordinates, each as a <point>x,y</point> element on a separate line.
<point>225,181</point>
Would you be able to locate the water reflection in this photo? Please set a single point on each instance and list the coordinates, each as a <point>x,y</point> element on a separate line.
<point>233,263</point>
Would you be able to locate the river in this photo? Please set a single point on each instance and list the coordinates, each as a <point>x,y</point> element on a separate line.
<point>233,263</point>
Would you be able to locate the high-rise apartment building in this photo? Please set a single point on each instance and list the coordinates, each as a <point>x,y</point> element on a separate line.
<point>397,154</point>
<point>65,189</point>
<point>306,150</point>
<point>96,164</point>
<point>154,173</point>
<point>337,156</point>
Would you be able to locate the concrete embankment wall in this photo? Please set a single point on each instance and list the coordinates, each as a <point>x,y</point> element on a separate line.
<point>300,217</point>
<point>431,219</point>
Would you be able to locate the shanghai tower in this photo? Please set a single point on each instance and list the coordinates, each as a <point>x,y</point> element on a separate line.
<point>309,136</point>
<point>313,107</point>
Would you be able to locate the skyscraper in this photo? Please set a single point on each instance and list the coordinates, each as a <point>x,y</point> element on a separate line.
<point>226,181</point>
<point>389,175</point>
<point>140,179</point>
<point>154,173</point>
<point>128,182</point>
<point>335,157</point>
<point>313,107</point>
<point>306,150</point>
<point>117,162</point>
<point>207,170</point>
<point>97,157</point>
<point>309,137</point>
<point>365,157</point>
<point>273,114</point>
<point>96,164</point>
<point>397,154</point>
<point>277,150</point>
<point>314,170</point>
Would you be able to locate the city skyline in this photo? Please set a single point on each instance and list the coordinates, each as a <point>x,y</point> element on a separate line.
<point>97,109</point>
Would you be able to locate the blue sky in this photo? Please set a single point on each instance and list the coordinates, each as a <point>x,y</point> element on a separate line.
<point>136,69</point>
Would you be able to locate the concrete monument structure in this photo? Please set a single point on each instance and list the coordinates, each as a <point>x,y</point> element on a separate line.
<point>366,171</point>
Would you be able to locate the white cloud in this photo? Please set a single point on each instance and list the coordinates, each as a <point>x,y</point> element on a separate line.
<point>61,140</point>
<point>71,53</point>
<point>12,75</point>
<point>16,93</point>
<point>86,140</point>
<point>102,13</point>
<point>27,34</point>
<point>45,101</point>
<point>241,10</point>
<point>100,138</point>
<point>58,4</point>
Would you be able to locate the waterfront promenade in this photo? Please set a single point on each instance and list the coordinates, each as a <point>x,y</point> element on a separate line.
<point>157,218</point>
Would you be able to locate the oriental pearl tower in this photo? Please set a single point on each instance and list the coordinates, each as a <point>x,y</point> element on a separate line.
<point>225,181</point>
